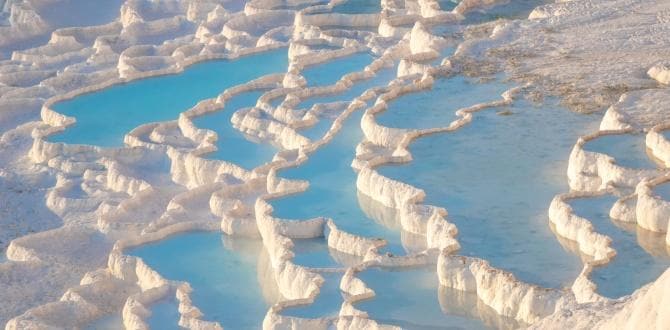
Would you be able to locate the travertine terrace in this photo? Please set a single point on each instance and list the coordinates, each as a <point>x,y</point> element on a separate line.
<point>71,212</point>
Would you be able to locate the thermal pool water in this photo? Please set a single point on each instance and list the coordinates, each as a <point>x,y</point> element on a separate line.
<point>105,116</point>
<point>496,177</point>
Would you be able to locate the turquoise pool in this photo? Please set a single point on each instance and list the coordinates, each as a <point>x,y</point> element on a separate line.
<point>332,190</point>
<point>496,177</point>
<point>633,266</point>
<point>105,116</point>
<point>232,145</point>
<point>222,270</point>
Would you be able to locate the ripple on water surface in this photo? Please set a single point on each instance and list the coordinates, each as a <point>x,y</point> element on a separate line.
<point>105,116</point>
<point>641,254</point>
<point>232,145</point>
<point>496,177</point>
<point>228,286</point>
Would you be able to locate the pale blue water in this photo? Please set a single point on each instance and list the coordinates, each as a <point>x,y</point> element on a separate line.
<point>358,7</point>
<point>382,78</point>
<point>666,134</point>
<point>317,131</point>
<point>313,253</point>
<point>164,315</point>
<point>327,303</point>
<point>232,144</point>
<point>632,267</point>
<point>448,5</point>
<point>628,150</point>
<point>105,116</point>
<point>222,271</point>
<point>409,298</point>
<point>330,72</point>
<point>332,191</point>
<point>496,177</point>
<point>298,6</point>
<point>436,107</point>
<point>663,191</point>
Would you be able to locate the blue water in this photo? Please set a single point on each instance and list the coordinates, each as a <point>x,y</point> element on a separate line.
<point>105,116</point>
<point>409,298</point>
<point>222,271</point>
<point>447,5</point>
<point>496,177</point>
<point>382,78</point>
<point>628,150</point>
<point>330,72</point>
<point>317,131</point>
<point>666,134</point>
<point>468,305</point>
<point>164,315</point>
<point>314,253</point>
<point>332,190</point>
<point>327,303</point>
<point>358,7</point>
<point>632,267</point>
<point>232,144</point>
<point>663,191</point>
<point>390,218</point>
<point>436,107</point>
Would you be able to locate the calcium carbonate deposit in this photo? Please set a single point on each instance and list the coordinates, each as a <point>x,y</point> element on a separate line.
<point>334,164</point>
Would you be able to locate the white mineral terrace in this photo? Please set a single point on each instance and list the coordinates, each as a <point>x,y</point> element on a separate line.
<point>302,88</point>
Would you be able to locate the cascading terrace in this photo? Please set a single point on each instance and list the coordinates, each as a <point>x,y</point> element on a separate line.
<point>342,164</point>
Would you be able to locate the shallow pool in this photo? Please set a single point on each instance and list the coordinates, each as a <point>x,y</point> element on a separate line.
<point>436,107</point>
<point>358,7</point>
<point>632,267</point>
<point>628,150</point>
<point>382,78</point>
<point>164,315</point>
<point>411,298</point>
<point>232,145</point>
<point>105,116</point>
<point>330,72</point>
<point>314,253</point>
<point>317,131</point>
<point>222,270</point>
<point>663,191</point>
<point>327,303</point>
<point>496,177</point>
<point>447,5</point>
<point>517,9</point>
<point>332,190</point>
